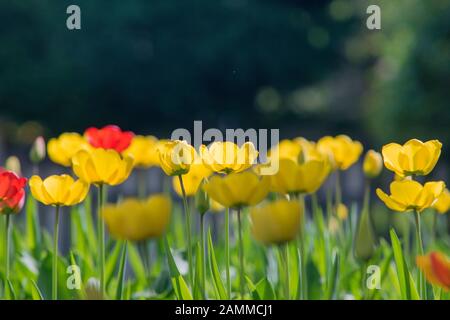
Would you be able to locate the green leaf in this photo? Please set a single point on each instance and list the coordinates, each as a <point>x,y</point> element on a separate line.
<point>86,216</point>
<point>136,263</point>
<point>263,290</point>
<point>179,285</point>
<point>198,273</point>
<point>111,263</point>
<point>402,268</point>
<point>35,292</point>
<point>333,280</point>
<point>217,280</point>
<point>121,275</point>
<point>33,233</point>
<point>9,291</point>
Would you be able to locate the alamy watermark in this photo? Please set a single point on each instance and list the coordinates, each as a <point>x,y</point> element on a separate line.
<point>262,140</point>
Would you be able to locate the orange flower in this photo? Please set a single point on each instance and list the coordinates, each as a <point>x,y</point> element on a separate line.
<point>436,267</point>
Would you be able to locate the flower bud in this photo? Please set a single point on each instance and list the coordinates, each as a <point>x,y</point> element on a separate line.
<point>373,163</point>
<point>365,239</point>
<point>202,201</point>
<point>38,150</point>
<point>342,211</point>
<point>13,164</point>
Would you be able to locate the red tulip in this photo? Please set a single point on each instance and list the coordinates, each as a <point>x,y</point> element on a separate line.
<point>109,137</point>
<point>12,193</point>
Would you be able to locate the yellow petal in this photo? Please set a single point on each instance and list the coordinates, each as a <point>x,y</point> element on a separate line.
<point>389,202</point>
<point>36,187</point>
<point>390,153</point>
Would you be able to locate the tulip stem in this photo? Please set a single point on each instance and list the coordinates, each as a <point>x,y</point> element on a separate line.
<point>55,255</point>
<point>101,226</point>
<point>188,229</point>
<point>227,251</point>
<point>7,244</point>
<point>241,254</point>
<point>422,284</point>
<point>286,270</point>
<point>202,256</point>
<point>303,278</point>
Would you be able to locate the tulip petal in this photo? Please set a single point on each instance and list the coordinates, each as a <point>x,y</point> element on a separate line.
<point>389,202</point>
<point>390,157</point>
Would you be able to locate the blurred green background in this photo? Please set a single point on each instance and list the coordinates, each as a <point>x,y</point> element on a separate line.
<point>307,67</point>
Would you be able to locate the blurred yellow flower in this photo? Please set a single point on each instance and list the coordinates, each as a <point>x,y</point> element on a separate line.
<point>286,149</point>
<point>436,267</point>
<point>138,220</point>
<point>101,166</point>
<point>342,211</point>
<point>192,179</point>
<point>413,158</point>
<point>373,164</point>
<point>62,149</point>
<point>343,151</point>
<point>442,204</point>
<point>143,149</point>
<point>58,190</point>
<point>295,178</point>
<point>215,206</point>
<point>176,157</point>
<point>277,222</point>
<point>238,189</point>
<point>411,195</point>
<point>226,157</point>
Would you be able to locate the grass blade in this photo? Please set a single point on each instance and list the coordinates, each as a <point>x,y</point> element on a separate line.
<point>217,280</point>
<point>121,275</point>
<point>179,285</point>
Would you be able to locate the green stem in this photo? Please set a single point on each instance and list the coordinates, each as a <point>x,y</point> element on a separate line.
<point>241,254</point>
<point>434,226</point>
<point>146,257</point>
<point>55,256</point>
<point>303,278</point>
<point>202,256</point>
<point>188,230</point>
<point>422,284</point>
<point>101,234</point>
<point>227,251</point>
<point>7,244</point>
<point>286,270</point>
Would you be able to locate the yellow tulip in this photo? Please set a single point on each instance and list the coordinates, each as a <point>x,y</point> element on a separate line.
<point>295,178</point>
<point>237,189</point>
<point>143,149</point>
<point>138,220</point>
<point>58,190</point>
<point>192,179</point>
<point>442,204</point>
<point>277,222</point>
<point>342,211</point>
<point>413,158</point>
<point>286,149</point>
<point>62,149</point>
<point>411,195</point>
<point>373,164</point>
<point>215,206</point>
<point>226,157</point>
<point>176,157</point>
<point>436,267</point>
<point>101,166</point>
<point>343,151</point>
